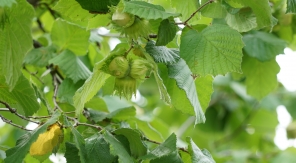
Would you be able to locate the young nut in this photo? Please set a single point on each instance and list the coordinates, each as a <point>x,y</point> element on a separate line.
<point>119,67</point>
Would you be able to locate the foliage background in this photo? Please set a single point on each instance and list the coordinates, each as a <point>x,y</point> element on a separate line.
<point>240,108</point>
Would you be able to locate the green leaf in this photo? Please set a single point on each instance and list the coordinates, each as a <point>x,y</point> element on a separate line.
<point>166,32</point>
<point>98,21</point>
<point>291,6</point>
<point>186,8</point>
<point>69,36</point>
<point>72,10</point>
<point>7,3</point>
<point>213,10</point>
<point>215,50</point>
<point>40,57</point>
<point>67,90</point>
<point>198,155</point>
<point>122,114</point>
<point>147,10</point>
<point>167,147</point>
<point>71,65</point>
<point>71,153</point>
<point>261,76</point>
<point>99,6</point>
<point>78,140</point>
<point>262,10</point>
<point>182,74</point>
<point>98,150</point>
<point>263,46</point>
<point>22,97</point>
<point>18,153</point>
<point>16,40</point>
<point>95,115</point>
<point>173,157</point>
<point>162,54</point>
<point>204,88</point>
<point>137,147</point>
<point>97,103</point>
<point>242,21</point>
<point>117,149</point>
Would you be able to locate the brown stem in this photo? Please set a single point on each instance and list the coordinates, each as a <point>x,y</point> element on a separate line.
<point>77,123</point>
<point>13,124</point>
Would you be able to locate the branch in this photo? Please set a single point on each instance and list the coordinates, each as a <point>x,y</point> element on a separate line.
<point>77,123</point>
<point>13,111</point>
<point>56,87</point>
<point>13,124</point>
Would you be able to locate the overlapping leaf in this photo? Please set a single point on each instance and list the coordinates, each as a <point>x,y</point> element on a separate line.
<point>98,150</point>
<point>162,54</point>
<point>215,50</point>
<point>198,155</point>
<point>18,153</point>
<point>71,153</point>
<point>186,8</point>
<point>213,10</point>
<point>147,10</point>
<point>244,20</point>
<point>67,90</point>
<point>182,74</point>
<point>40,57</point>
<point>166,32</point>
<point>116,148</point>
<point>263,46</point>
<point>72,10</point>
<point>16,40</point>
<point>261,76</point>
<point>71,65</point>
<point>136,145</point>
<point>69,36</point>
<point>22,97</point>
<point>101,6</point>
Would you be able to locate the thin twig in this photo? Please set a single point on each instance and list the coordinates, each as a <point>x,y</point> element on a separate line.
<point>56,87</point>
<point>39,117</point>
<point>131,47</point>
<point>40,25</point>
<point>13,111</point>
<point>77,123</point>
<point>13,124</point>
<point>158,143</point>
<point>193,14</point>
<point>33,74</point>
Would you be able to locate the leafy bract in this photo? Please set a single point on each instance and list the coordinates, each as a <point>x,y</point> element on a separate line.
<point>72,10</point>
<point>18,153</point>
<point>69,36</point>
<point>21,97</point>
<point>242,21</point>
<point>147,10</point>
<point>182,74</point>
<point>40,57</point>
<point>291,6</point>
<point>71,153</point>
<point>213,10</point>
<point>71,65</point>
<point>198,155</point>
<point>261,76</point>
<point>263,46</point>
<point>162,54</point>
<point>137,147</point>
<point>78,140</point>
<point>186,8</point>
<point>98,150</point>
<point>116,148</point>
<point>47,140</point>
<point>164,149</point>
<point>166,32</point>
<point>215,50</point>
<point>101,6</point>
<point>16,40</point>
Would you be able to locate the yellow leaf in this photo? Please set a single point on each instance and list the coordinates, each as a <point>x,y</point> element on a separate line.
<point>46,141</point>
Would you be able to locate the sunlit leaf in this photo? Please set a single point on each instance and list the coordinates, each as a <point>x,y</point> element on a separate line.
<point>186,8</point>
<point>198,155</point>
<point>213,10</point>
<point>215,50</point>
<point>242,21</point>
<point>47,140</point>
